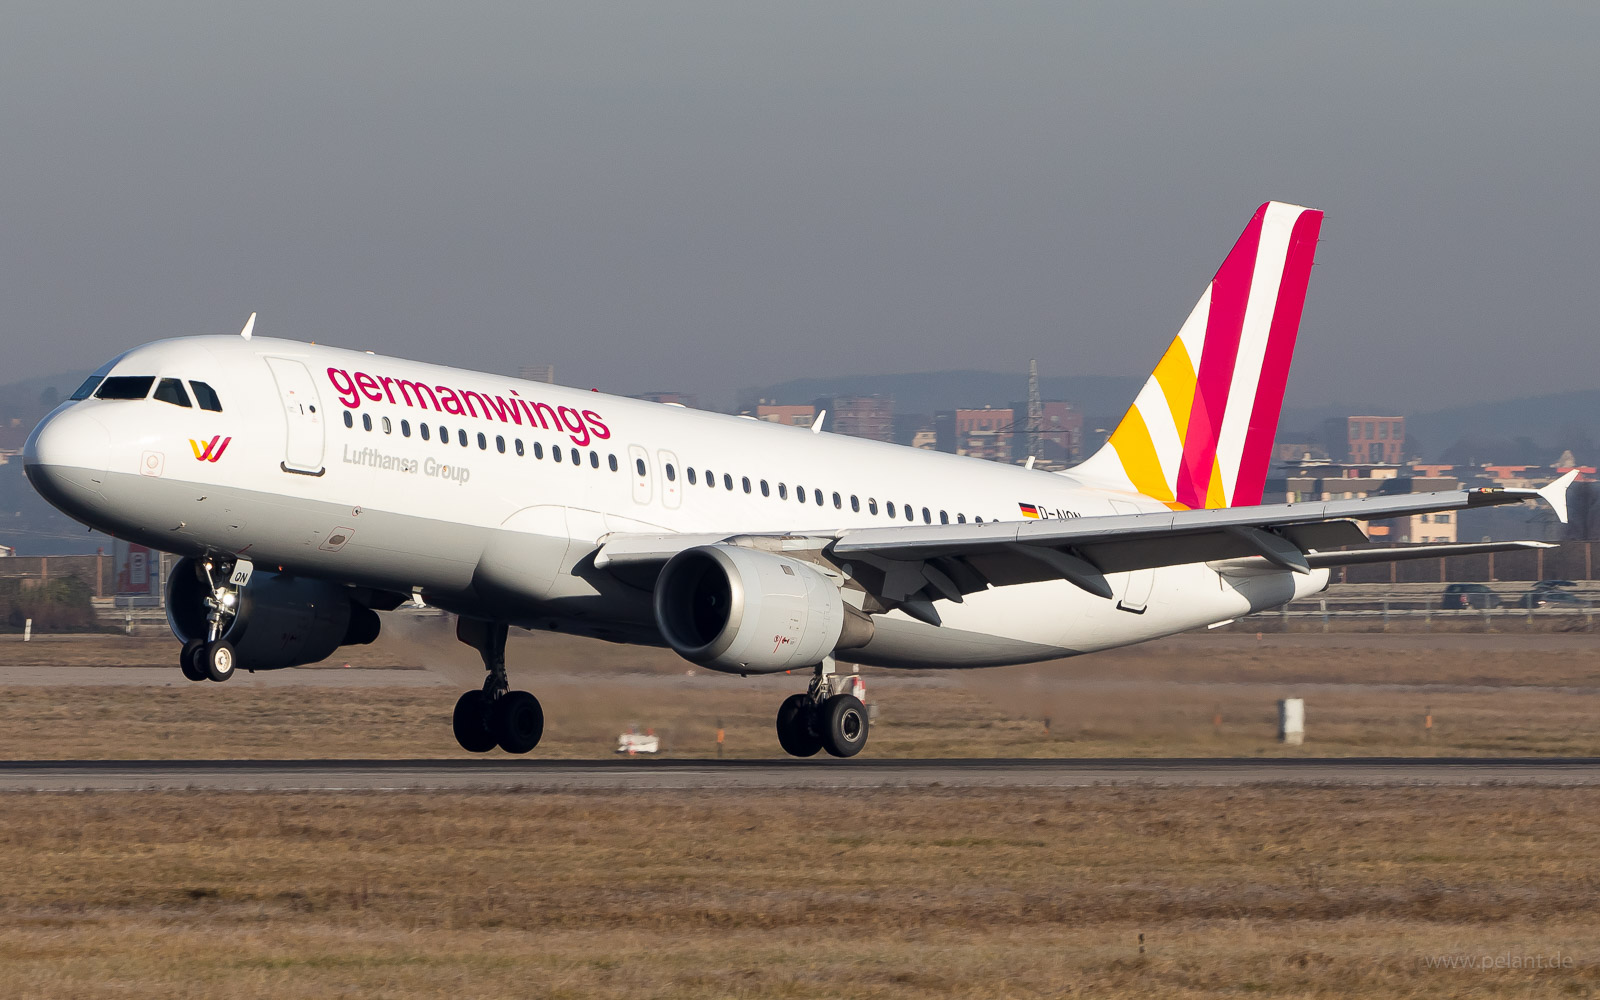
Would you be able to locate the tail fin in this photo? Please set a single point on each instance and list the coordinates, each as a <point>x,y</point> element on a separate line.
<point>1200,432</point>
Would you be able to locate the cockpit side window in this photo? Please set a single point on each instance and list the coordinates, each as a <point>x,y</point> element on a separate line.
<point>170,390</point>
<point>206,396</point>
<point>125,387</point>
<point>87,388</point>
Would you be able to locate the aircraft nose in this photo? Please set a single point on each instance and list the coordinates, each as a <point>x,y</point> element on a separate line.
<point>66,457</point>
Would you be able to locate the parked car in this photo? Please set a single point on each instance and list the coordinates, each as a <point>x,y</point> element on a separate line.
<point>1469,595</point>
<point>1540,597</point>
<point>1551,584</point>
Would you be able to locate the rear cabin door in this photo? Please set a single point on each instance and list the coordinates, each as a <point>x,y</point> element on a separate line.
<point>1136,586</point>
<point>302,413</point>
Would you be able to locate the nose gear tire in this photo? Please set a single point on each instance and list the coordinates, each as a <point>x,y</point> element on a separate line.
<point>219,660</point>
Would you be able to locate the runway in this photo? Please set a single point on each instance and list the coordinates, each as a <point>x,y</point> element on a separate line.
<point>501,774</point>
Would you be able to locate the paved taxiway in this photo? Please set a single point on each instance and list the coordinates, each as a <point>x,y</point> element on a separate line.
<point>552,775</point>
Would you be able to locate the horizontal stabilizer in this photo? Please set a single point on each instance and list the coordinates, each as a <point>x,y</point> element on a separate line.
<point>1555,495</point>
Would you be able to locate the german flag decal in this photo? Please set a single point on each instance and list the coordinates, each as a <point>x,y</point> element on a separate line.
<point>1028,510</point>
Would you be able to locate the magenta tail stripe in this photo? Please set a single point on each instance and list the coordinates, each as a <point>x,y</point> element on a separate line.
<point>1268,406</point>
<point>1230,292</point>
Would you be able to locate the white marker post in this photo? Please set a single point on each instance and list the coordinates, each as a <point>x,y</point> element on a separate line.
<point>27,630</point>
<point>1292,721</point>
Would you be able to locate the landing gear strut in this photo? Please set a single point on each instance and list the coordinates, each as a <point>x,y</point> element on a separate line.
<point>827,717</point>
<point>212,658</point>
<point>494,716</point>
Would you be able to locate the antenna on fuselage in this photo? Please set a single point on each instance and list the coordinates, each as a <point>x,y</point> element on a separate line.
<point>816,425</point>
<point>249,327</point>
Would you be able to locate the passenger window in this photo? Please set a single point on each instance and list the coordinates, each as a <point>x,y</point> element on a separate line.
<point>349,421</point>
<point>206,396</point>
<point>125,387</point>
<point>576,458</point>
<point>613,460</point>
<point>87,388</point>
<point>483,442</point>
<point>872,505</point>
<point>692,480</point>
<point>727,482</point>
<point>170,390</point>
<point>889,507</point>
<point>638,467</point>
<point>783,491</point>
<point>594,460</point>
<point>765,491</point>
<point>423,430</point>
<point>672,474</point>
<point>520,450</point>
<point>555,453</point>
<point>405,428</point>
<point>366,421</point>
<point>500,444</point>
<point>855,504</point>
<point>388,428</point>
<point>817,496</point>
<point>461,436</point>
<point>944,518</point>
<point>800,493</point>
<point>977,520</point>
<point>538,450</point>
<point>910,516</point>
<point>746,481</point>
<point>444,434</point>
<point>927,518</point>
<point>837,503</point>
<point>961,519</point>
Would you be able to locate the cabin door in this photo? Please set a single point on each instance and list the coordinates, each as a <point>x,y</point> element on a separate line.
<point>302,413</point>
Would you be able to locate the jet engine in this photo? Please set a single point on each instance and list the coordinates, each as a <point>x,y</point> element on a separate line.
<point>745,610</point>
<point>278,620</point>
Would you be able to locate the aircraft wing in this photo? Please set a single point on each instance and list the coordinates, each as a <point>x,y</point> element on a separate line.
<point>910,566</point>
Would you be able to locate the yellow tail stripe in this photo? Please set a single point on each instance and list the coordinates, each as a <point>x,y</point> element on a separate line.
<point>1176,376</point>
<point>1215,500</point>
<point>1132,441</point>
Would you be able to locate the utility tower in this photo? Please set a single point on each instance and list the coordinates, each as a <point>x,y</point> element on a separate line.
<point>1035,409</point>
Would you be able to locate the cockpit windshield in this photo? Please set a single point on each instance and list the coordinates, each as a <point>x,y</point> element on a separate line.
<point>125,387</point>
<point>87,388</point>
<point>206,396</point>
<point>170,390</point>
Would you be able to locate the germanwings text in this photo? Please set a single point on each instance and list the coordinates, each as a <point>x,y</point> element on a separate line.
<point>581,426</point>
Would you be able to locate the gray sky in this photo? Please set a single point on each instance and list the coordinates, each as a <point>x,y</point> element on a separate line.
<point>704,196</point>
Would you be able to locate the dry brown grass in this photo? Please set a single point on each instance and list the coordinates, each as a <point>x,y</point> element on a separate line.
<point>1302,892</point>
<point>1366,695</point>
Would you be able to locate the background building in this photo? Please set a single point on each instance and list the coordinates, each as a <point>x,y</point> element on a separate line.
<point>794,416</point>
<point>870,417</point>
<point>1376,440</point>
<point>984,433</point>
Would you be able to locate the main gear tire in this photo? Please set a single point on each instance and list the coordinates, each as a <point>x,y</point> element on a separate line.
<point>796,733</point>
<point>471,722</point>
<point>843,724</point>
<point>517,721</point>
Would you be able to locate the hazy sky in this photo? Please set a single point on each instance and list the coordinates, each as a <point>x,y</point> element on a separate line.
<point>703,196</point>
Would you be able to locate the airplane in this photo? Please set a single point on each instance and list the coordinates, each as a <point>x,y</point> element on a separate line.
<point>310,489</point>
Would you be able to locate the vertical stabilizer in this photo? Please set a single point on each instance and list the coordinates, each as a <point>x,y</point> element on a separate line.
<point>1200,432</point>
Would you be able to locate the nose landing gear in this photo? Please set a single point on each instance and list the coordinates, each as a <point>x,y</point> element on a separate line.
<point>494,716</point>
<point>212,658</point>
<point>829,716</point>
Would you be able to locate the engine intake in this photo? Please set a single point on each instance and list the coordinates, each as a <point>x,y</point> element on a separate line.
<point>281,620</point>
<point>744,610</point>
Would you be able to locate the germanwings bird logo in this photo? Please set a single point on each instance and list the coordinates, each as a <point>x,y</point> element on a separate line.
<point>211,450</point>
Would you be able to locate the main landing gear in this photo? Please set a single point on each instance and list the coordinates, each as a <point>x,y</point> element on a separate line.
<point>494,716</point>
<point>827,717</point>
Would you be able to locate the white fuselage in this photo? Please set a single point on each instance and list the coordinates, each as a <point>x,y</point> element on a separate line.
<point>325,470</point>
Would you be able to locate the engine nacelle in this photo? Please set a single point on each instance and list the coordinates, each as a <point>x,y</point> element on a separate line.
<point>750,611</point>
<point>281,620</point>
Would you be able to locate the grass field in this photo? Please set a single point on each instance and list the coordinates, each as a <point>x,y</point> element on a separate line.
<point>1201,695</point>
<point>1272,891</point>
